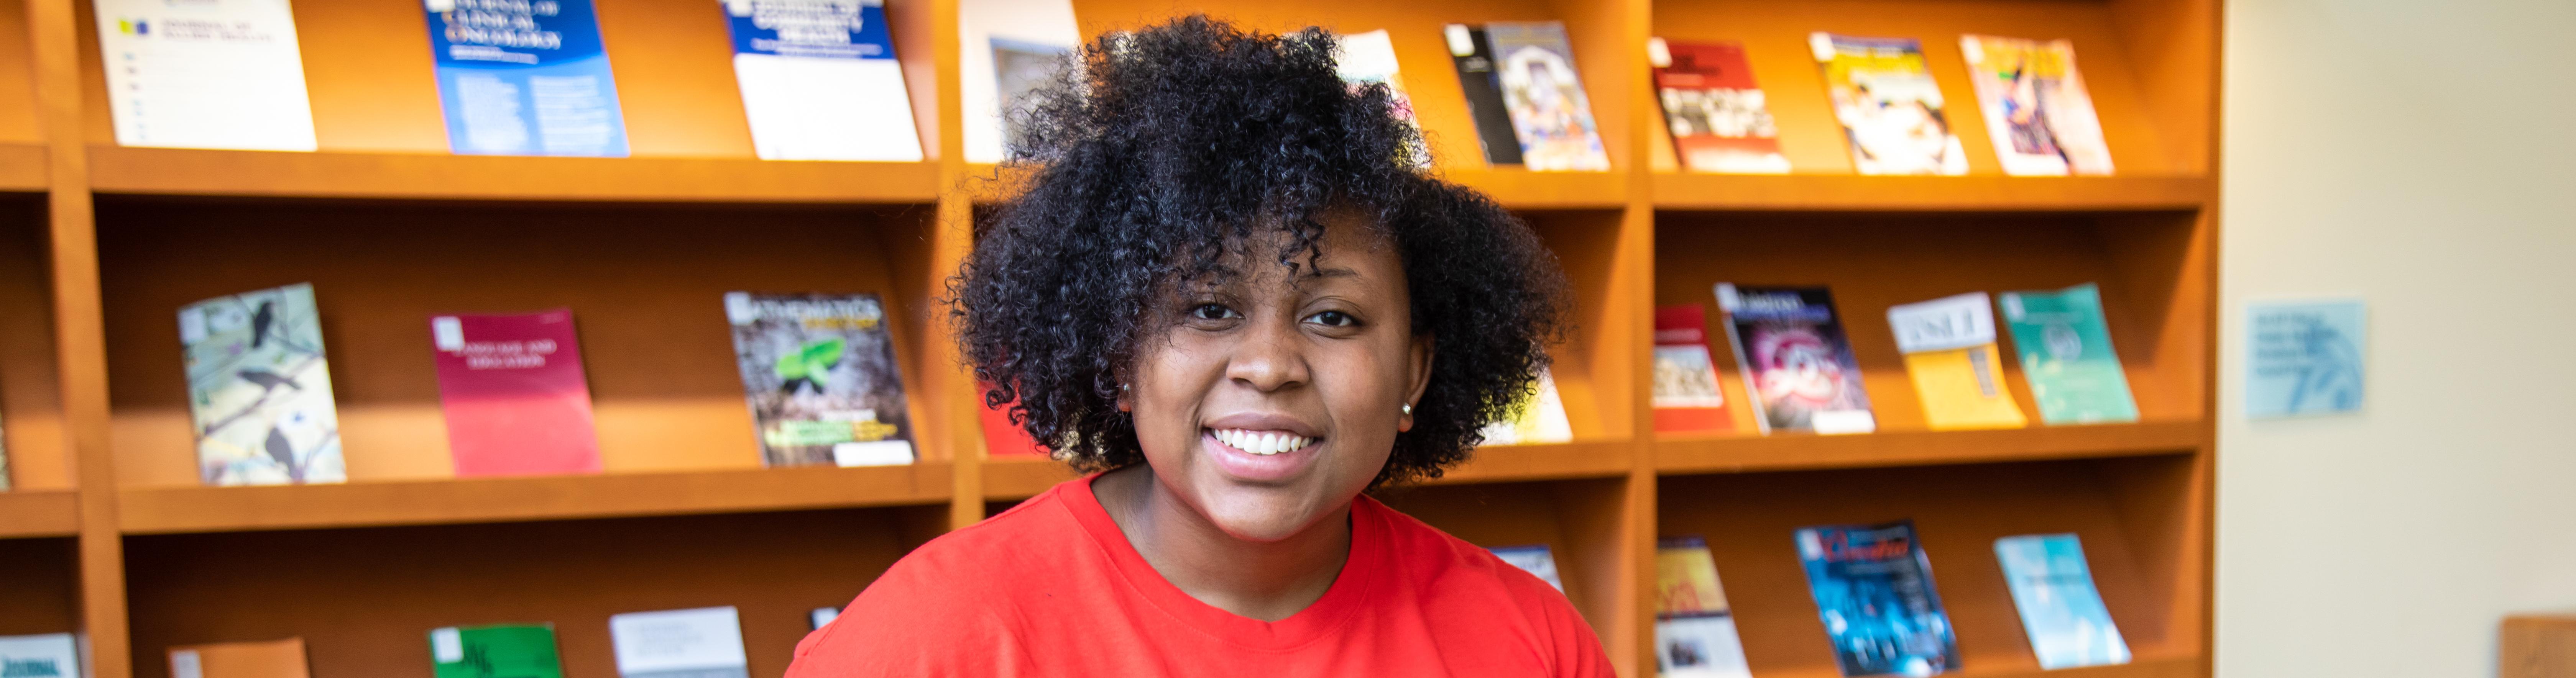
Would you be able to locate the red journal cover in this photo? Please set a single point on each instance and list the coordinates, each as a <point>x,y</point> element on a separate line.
<point>516,399</point>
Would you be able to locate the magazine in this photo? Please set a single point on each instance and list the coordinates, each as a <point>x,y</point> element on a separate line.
<point>1798,366</point>
<point>2065,347</point>
<point>259,389</point>
<point>1686,396</point>
<point>1949,346</point>
<point>1471,52</point>
<point>2053,588</point>
<point>1719,120</point>
<point>1873,589</point>
<point>1534,65</point>
<point>820,374</point>
<point>516,398</point>
<point>1369,59</point>
<point>1889,106</point>
<point>2036,108</point>
<point>1535,559</point>
<point>1535,419</point>
<point>1694,626</point>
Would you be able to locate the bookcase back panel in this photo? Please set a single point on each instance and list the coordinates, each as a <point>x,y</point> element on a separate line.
<point>1575,519</point>
<point>1594,372</point>
<point>1593,29</point>
<point>31,409</point>
<point>18,117</point>
<point>2148,269</point>
<point>369,71</point>
<point>2146,136</point>
<point>645,285</point>
<point>41,585</point>
<point>1958,513</point>
<point>364,600</point>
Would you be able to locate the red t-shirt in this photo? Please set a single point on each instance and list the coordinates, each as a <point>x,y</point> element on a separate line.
<point>1052,588</point>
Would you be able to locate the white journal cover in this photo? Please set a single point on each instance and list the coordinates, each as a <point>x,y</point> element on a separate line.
<point>205,74</point>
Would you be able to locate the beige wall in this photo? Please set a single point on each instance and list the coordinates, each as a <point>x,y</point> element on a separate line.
<point>2414,153</point>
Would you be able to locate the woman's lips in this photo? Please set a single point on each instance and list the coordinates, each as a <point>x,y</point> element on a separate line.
<point>1260,456</point>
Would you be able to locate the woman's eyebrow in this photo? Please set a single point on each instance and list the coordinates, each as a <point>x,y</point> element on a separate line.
<point>1333,273</point>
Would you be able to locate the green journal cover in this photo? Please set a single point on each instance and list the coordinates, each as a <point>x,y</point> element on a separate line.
<point>2066,354</point>
<point>501,651</point>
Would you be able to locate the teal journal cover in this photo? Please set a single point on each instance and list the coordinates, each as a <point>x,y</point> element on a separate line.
<point>2066,354</point>
<point>2053,587</point>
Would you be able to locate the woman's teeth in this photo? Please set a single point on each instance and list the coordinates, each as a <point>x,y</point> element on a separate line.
<point>1264,443</point>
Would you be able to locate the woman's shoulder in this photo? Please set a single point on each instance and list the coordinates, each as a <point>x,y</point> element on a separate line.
<point>950,602</point>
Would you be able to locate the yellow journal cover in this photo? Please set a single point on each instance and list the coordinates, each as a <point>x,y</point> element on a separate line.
<point>1949,346</point>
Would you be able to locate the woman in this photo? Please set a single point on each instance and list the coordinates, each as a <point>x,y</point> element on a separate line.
<point>1226,293</point>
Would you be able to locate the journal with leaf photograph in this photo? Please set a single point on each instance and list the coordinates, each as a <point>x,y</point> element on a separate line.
<point>820,374</point>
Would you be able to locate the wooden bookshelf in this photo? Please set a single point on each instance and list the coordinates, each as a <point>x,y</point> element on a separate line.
<point>109,533</point>
<point>39,513</point>
<point>22,167</point>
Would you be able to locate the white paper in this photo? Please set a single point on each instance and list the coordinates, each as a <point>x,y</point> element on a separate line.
<point>1020,23</point>
<point>872,453</point>
<point>52,654</point>
<point>701,643</point>
<point>1942,324</point>
<point>820,81</point>
<point>205,74</point>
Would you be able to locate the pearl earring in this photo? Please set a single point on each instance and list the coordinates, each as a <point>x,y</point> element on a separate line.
<point>1408,409</point>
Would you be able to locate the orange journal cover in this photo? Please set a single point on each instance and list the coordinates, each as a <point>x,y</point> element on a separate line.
<point>272,659</point>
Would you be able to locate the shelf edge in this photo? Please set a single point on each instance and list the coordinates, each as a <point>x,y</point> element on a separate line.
<point>171,510</point>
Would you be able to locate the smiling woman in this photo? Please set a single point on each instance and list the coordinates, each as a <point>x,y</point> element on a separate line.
<point>1229,294</point>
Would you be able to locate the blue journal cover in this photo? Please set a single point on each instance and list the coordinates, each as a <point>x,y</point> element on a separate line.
<point>2053,587</point>
<point>1873,589</point>
<point>524,77</point>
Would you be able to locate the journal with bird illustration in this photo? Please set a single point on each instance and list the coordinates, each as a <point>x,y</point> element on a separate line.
<point>821,378</point>
<point>259,389</point>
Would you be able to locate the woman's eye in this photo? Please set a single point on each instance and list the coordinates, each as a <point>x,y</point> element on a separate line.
<point>1213,312</point>
<point>1333,319</point>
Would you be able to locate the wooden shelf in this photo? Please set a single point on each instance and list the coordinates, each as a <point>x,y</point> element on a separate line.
<point>162,510</point>
<point>1923,448</point>
<point>1955,194</point>
<point>164,171</point>
<point>2165,667</point>
<point>23,167</point>
<point>1512,187</point>
<point>1522,189</point>
<point>39,513</point>
<point>1554,461</point>
<point>1022,477</point>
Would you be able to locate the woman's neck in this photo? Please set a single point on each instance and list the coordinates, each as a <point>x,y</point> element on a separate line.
<point>1263,580</point>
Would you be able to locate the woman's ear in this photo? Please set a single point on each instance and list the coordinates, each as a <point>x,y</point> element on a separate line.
<point>1421,376</point>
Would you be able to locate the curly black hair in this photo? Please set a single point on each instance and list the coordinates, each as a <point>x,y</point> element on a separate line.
<point>1156,156</point>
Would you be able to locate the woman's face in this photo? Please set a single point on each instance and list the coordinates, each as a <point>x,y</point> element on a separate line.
<point>1271,402</point>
